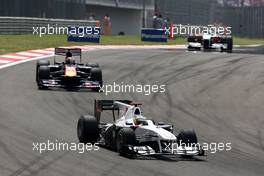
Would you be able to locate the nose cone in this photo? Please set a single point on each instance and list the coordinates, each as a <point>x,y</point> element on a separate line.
<point>155,132</point>
<point>165,135</point>
<point>70,71</point>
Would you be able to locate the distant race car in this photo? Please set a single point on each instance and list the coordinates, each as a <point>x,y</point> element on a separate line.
<point>132,134</point>
<point>68,74</point>
<point>224,43</point>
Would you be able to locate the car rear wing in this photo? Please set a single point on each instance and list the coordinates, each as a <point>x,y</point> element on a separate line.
<point>102,105</point>
<point>63,51</point>
<point>73,51</point>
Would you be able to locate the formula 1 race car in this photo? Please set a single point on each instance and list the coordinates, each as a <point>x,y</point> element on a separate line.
<point>210,40</point>
<point>68,74</point>
<point>132,134</point>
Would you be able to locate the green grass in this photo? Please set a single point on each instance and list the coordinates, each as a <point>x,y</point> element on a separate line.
<point>14,43</point>
<point>247,41</point>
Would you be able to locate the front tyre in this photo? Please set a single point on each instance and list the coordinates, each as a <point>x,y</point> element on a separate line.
<point>43,73</point>
<point>87,129</point>
<point>96,75</point>
<point>187,138</point>
<point>41,63</point>
<point>125,137</point>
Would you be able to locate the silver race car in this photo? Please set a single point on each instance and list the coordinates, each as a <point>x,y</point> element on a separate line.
<point>132,134</point>
<point>211,40</point>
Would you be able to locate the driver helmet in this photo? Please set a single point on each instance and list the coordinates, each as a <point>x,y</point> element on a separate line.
<point>138,120</point>
<point>69,59</point>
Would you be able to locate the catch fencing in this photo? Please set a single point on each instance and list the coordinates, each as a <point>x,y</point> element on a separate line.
<point>245,21</point>
<point>185,11</point>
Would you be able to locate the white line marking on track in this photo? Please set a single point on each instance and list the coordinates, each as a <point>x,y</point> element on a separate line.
<point>22,61</point>
<point>4,61</point>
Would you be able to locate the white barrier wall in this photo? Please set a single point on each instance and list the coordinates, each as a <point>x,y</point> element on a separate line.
<point>125,20</point>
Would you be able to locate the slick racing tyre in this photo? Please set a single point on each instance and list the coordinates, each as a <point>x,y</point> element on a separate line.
<point>109,137</point>
<point>41,63</point>
<point>187,137</point>
<point>229,45</point>
<point>125,137</point>
<point>206,45</point>
<point>87,129</point>
<point>43,73</point>
<point>96,75</point>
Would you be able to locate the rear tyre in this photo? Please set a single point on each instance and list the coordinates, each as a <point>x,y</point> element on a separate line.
<point>43,73</point>
<point>87,129</point>
<point>125,137</point>
<point>229,45</point>
<point>96,75</point>
<point>206,45</point>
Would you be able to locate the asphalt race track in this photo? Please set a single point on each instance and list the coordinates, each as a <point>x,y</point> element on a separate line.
<point>219,95</point>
